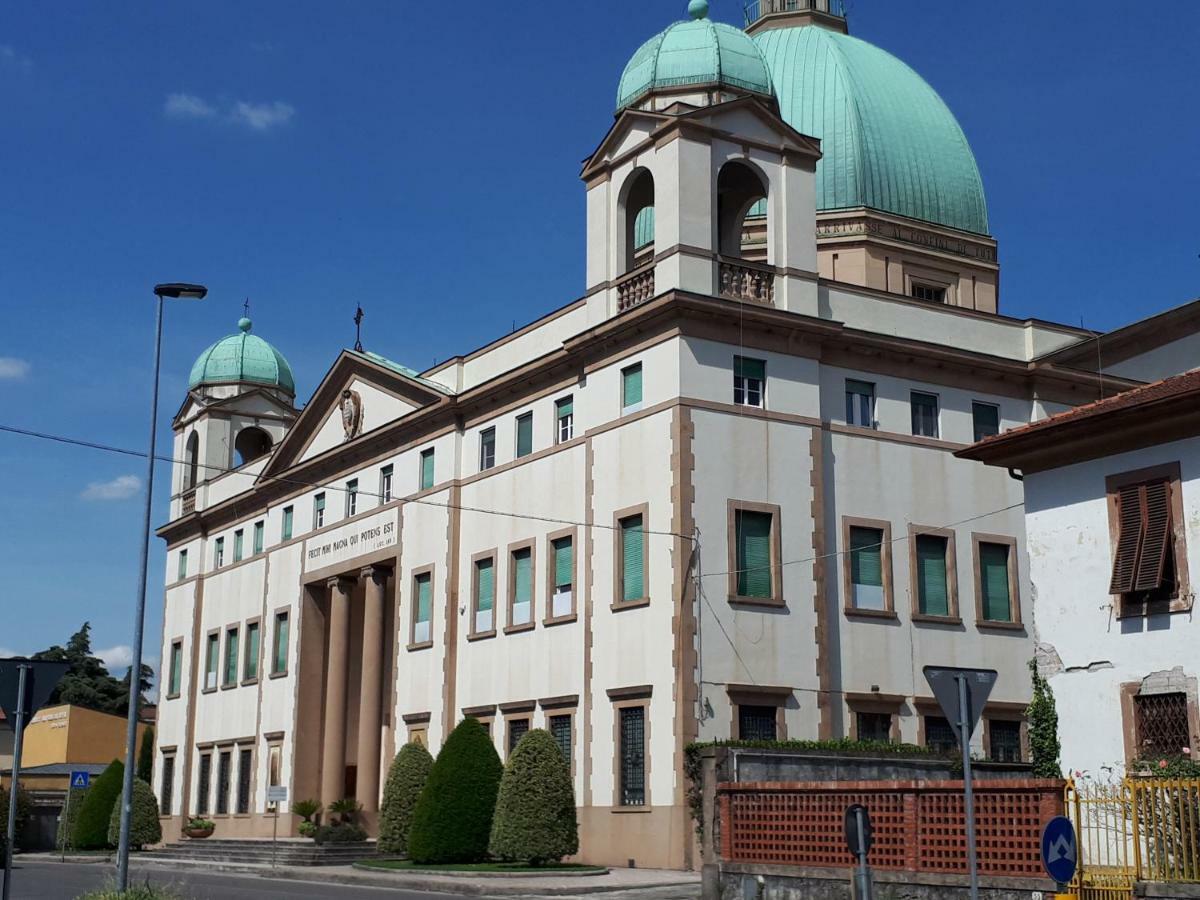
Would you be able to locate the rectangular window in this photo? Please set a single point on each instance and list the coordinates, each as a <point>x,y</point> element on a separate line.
<point>351,497</point>
<point>986,418</point>
<point>873,726</point>
<point>1144,562</point>
<point>524,434</point>
<point>224,774</point>
<point>753,538</point>
<point>212,657</point>
<point>423,590</point>
<point>517,729</point>
<point>487,449</point>
<point>259,531</point>
<point>521,611</point>
<point>219,553</point>
<point>564,414</point>
<point>939,736</point>
<point>749,381</point>
<point>560,730</point>
<point>928,292</point>
<point>632,564</point>
<point>1004,738</point>
<point>319,511</point>
<point>288,512</point>
<point>995,582</point>
<point>631,388</point>
<point>426,469</point>
<point>866,568</point>
<point>279,659</point>
<point>229,676</point>
<point>860,403</point>
<point>238,545</point>
<point>385,484</point>
<point>924,414</point>
<point>633,755</point>
<point>250,667</point>
<point>562,562</point>
<point>182,574</point>
<point>485,595</point>
<point>245,769</point>
<point>175,681</point>
<point>166,784</point>
<point>933,590</point>
<point>204,784</point>
<point>1161,723</point>
<point>757,723</point>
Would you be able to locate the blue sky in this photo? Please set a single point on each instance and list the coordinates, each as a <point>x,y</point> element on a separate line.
<point>422,159</point>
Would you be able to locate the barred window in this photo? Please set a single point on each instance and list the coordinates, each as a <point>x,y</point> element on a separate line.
<point>633,756</point>
<point>1161,721</point>
<point>224,765</point>
<point>873,726</point>
<point>166,788</point>
<point>756,723</point>
<point>939,736</point>
<point>245,763</point>
<point>204,784</point>
<point>560,730</point>
<point>1005,741</point>
<point>517,729</point>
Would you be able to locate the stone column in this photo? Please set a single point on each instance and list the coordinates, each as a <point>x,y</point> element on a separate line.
<point>370,695</point>
<point>333,751</point>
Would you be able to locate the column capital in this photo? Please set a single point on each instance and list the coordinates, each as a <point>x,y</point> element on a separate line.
<point>343,583</point>
<point>376,571</point>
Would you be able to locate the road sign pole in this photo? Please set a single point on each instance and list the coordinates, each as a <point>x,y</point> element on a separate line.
<point>14,782</point>
<point>863,875</point>
<point>64,822</point>
<point>964,727</point>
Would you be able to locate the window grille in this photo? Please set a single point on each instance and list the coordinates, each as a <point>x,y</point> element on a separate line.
<point>1005,741</point>
<point>560,730</point>
<point>224,764</point>
<point>204,784</point>
<point>517,729</point>
<point>874,726</point>
<point>1162,724</point>
<point>633,756</point>
<point>167,788</point>
<point>756,723</point>
<point>939,736</point>
<point>243,788</point>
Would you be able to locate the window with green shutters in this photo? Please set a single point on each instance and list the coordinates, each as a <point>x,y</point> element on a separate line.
<point>562,572</point>
<point>933,588</point>
<point>260,529</point>
<point>175,680</point>
<point>632,548</point>
<point>238,545</point>
<point>182,564</point>
<point>288,513</point>
<point>351,497</point>
<point>279,658</point>
<point>752,559</point>
<point>631,388</point>
<point>866,568</point>
<point>564,413</point>
<point>995,585</point>
<point>749,381</point>
<point>524,434</point>
<point>426,469</point>
<point>250,666</point>
<point>485,595</point>
<point>231,657</point>
<point>521,611</point>
<point>219,553</point>
<point>212,660</point>
<point>422,607</point>
<point>487,449</point>
<point>319,511</point>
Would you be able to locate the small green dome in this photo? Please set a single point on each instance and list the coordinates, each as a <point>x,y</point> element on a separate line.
<point>243,357</point>
<point>694,51</point>
<point>889,142</point>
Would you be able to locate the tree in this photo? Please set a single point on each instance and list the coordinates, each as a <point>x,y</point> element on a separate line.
<point>91,828</point>
<point>453,818</point>
<point>1042,714</point>
<point>535,809</point>
<point>87,682</point>
<point>143,822</point>
<point>145,764</point>
<point>406,778</point>
<point>22,820</point>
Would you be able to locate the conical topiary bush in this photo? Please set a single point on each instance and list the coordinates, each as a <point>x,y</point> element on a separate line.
<point>144,828</point>
<point>91,828</point>
<point>453,819</point>
<point>535,810</point>
<point>406,778</point>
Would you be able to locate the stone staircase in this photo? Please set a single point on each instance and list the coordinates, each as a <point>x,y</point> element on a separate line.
<point>287,852</point>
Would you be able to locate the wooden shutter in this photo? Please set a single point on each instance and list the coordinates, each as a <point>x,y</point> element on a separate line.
<point>933,596</point>
<point>631,386</point>
<point>522,576</point>
<point>564,564</point>
<point>753,536</point>
<point>866,556</point>
<point>993,582</point>
<point>486,590</point>
<point>632,559</point>
<point>1156,539</point>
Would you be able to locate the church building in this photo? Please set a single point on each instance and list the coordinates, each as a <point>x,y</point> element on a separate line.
<point>714,497</point>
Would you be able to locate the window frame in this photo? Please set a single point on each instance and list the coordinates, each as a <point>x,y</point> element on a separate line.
<point>885,562</point>
<point>387,475</point>
<point>256,623</point>
<point>414,596</point>
<point>1014,622</point>
<point>351,498</point>
<point>1130,691</point>
<point>525,714</point>
<point>758,695</point>
<point>744,388</point>
<point>874,704</point>
<point>260,537</point>
<point>211,638</point>
<point>568,713</point>
<point>564,425</point>
<point>283,613</point>
<point>241,750</point>
<point>233,637</point>
<point>618,602</point>
<point>429,454</point>
<point>977,405</point>
<point>526,416</point>
<point>954,616</point>
<point>627,699</point>
<point>872,397</point>
<point>166,780</point>
<point>487,438</point>
<point>626,371</point>
<point>914,405</point>
<point>219,552</point>
<point>918,284</point>
<point>551,570</point>
<point>733,507</point>
<point>287,525</point>
<point>1179,600</point>
<point>318,510</point>
<point>204,779</point>
<point>182,563</point>
<point>239,544</point>
<point>472,633</point>
<point>175,679</point>
<point>510,580</point>
<point>221,805</point>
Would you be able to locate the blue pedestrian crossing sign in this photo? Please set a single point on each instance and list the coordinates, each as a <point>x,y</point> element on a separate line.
<point>80,779</point>
<point>1060,849</point>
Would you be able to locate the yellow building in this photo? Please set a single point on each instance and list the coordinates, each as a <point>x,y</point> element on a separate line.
<point>61,737</point>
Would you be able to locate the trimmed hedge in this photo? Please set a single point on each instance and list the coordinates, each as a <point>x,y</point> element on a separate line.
<point>452,822</point>
<point>342,833</point>
<point>66,823</point>
<point>406,778</point>
<point>535,811</point>
<point>145,764</point>
<point>144,827</point>
<point>23,806</point>
<point>91,828</point>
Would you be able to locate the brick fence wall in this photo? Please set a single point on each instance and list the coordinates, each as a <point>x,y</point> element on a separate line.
<point>919,826</point>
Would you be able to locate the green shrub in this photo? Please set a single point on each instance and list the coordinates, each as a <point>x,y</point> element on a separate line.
<point>143,823</point>
<point>453,818</point>
<point>406,778</point>
<point>345,833</point>
<point>535,809</point>
<point>1044,746</point>
<point>66,821</point>
<point>308,829</point>
<point>144,891</point>
<point>145,765</point>
<point>306,809</point>
<point>347,811</point>
<point>22,820</point>
<point>91,828</point>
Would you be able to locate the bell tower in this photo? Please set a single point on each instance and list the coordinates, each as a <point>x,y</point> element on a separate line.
<point>763,15</point>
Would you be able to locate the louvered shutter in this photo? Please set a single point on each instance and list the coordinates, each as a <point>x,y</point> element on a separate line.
<point>1156,499</point>
<point>563,562</point>
<point>486,591</point>
<point>753,536</point>
<point>523,582</point>
<point>993,579</point>
<point>632,557</point>
<point>1129,542</point>
<point>933,598</point>
<point>745,367</point>
<point>631,386</point>
<point>866,556</point>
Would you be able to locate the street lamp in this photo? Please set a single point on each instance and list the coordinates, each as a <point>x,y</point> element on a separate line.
<point>173,291</point>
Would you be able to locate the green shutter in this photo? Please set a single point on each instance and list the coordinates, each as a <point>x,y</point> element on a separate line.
<point>251,667</point>
<point>745,367</point>
<point>231,655</point>
<point>426,470</point>
<point>631,386</point>
<point>281,642</point>
<point>643,228</point>
<point>564,562</point>
<point>566,406</point>
<point>424,585</point>
<point>933,596</point>
<point>258,537</point>
<point>866,557</point>
<point>753,536</point>
<point>182,564</point>
<point>632,559</point>
<point>993,577</point>
<point>176,668</point>
<point>525,434</point>
<point>522,576</point>
<point>485,575</point>
<point>287,523</point>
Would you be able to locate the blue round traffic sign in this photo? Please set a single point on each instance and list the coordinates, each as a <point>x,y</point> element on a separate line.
<point>1060,849</point>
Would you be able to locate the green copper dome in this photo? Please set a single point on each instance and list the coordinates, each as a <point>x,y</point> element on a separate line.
<point>695,51</point>
<point>888,139</point>
<point>243,357</point>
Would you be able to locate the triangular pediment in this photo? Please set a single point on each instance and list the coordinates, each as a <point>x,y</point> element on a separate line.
<point>254,402</point>
<point>632,128</point>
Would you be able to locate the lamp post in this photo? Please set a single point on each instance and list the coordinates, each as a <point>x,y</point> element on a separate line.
<point>174,291</point>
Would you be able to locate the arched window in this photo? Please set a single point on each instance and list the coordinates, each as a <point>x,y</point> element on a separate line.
<point>191,461</point>
<point>637,207</point>
<point>250,444</point>
<point>742,212</point>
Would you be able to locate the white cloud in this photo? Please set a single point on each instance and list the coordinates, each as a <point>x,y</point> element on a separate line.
<point>12,59</point>
<point>263,116</point>
<point>120,488</point>
<point>12,368</point>
<point>188,106</point>
<point>118,657</point>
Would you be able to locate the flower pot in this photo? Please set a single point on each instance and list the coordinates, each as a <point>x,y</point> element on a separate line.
<point>198,833</point>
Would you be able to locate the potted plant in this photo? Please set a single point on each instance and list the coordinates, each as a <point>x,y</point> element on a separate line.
<point>306,809</point>
<point>197,828</point>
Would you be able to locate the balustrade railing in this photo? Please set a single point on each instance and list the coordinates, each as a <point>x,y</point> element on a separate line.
<point>636,288</point>
<point>189,502</point>
<point>747,282</point>
<point>756,9</point>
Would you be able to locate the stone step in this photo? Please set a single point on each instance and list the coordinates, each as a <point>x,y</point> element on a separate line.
<point>250,851</point>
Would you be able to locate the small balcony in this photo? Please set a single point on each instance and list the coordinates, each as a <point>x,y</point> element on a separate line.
<point>747,281</point>
<point>756,9</point>
<point>189,502</point>
<point>635,288</point>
